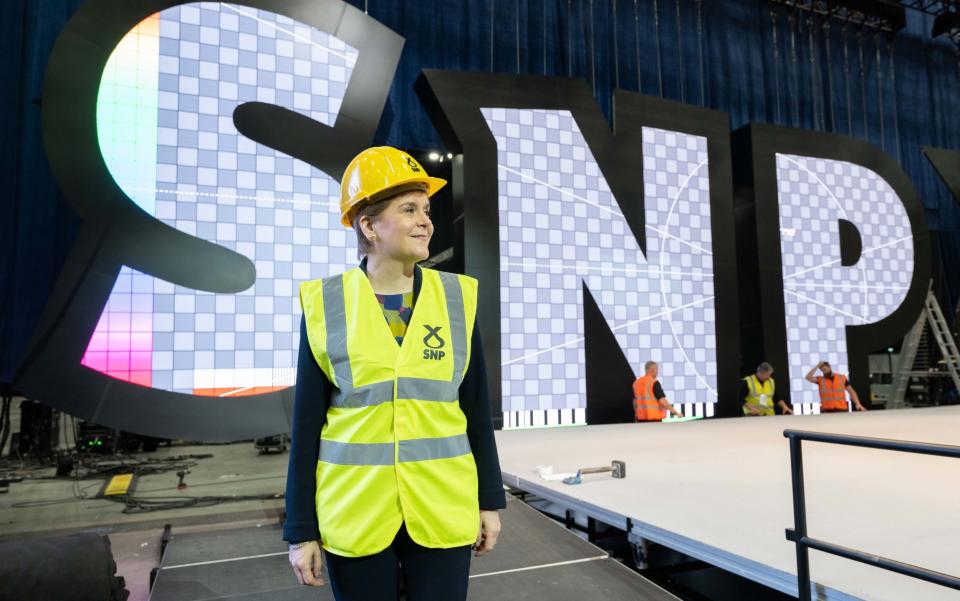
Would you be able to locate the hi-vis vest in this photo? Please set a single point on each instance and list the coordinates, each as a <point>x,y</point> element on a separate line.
<point>645,405</point>
<point>833,396</point>
<point>759,394</point>
<point>394,447</point>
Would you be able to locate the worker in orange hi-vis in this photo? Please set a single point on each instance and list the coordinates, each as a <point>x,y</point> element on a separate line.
<point>649,402</point>
<point>833,390</point>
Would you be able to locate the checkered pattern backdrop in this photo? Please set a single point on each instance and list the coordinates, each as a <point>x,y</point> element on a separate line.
<point>213,183</point>
<point>560,226</point>
<point>821,297</point>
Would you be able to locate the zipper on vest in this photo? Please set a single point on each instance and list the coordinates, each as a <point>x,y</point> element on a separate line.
<point>396,436</point>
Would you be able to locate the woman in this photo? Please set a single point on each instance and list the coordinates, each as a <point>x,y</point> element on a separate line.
<point>393,464</point>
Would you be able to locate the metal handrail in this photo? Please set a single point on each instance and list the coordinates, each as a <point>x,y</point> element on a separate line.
<point>798,534</point>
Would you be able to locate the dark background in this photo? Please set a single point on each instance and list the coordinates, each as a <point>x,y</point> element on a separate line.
<point>718,54</point>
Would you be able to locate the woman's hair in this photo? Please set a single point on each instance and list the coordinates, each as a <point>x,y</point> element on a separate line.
<point>371,210</point>
<point>374,207</point>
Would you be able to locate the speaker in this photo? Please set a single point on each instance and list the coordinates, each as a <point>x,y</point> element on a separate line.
<point>39,429</point>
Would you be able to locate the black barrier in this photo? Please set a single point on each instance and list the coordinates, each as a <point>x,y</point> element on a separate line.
<point>798,534</point>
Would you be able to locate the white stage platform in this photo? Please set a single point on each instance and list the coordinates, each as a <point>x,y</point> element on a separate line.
<point>719,490</point>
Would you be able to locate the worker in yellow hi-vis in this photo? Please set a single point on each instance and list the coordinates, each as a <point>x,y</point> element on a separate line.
<point>758,393</point>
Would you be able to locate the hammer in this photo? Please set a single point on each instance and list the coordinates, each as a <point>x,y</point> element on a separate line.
<point>617,469</point>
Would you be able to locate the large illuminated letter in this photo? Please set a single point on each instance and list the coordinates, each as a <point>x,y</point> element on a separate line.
<point>577,233</point>
<point>201,143</point>
<point>842,253</point>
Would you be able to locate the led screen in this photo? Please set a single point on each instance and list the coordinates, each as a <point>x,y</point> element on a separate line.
<point>821,296</point>
<point>561,228</point>
<point>165,127</point>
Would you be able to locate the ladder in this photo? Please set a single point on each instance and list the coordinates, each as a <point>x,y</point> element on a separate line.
<point>944,337</point>
<point>940,330</point>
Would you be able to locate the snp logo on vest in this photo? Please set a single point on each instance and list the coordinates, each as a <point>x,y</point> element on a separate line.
<point>434,342</point>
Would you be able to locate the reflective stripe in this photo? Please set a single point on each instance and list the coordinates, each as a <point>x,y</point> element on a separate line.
<point>335,319</point>
<point>419,389</point>
<point>833,389</point>
<point>356,453</point>
<point>418,449</point>
<point>363,396</point>
<point>458,323</point>
<point>422,389</point>
<point>422,449</point>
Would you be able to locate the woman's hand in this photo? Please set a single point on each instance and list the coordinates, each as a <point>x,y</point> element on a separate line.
<point>307,562</point>
<point>489,531</point>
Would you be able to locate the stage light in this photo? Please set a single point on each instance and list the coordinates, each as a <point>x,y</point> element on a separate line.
<point>449,155</point>
<point>433,156</point>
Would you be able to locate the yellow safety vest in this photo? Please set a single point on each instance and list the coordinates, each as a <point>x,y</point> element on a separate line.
<point>394,448</point>
<point>756,388</point>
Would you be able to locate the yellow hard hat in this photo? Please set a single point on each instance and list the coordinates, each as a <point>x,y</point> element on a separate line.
<point>379,172</point>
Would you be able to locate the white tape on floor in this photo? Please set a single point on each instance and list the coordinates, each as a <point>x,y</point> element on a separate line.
<point>546,565</point>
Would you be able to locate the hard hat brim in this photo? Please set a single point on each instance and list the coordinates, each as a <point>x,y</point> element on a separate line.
<point>434,184</point>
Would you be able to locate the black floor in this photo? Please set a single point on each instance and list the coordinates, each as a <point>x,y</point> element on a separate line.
<point>535,558</point>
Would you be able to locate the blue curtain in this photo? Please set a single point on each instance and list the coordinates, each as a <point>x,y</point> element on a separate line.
<point>37,226</point>
<point>757,62</point>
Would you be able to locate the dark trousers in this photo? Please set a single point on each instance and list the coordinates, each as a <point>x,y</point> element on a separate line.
<point>428,574</point>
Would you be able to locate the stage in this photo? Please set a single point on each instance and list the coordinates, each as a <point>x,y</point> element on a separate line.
<point>719,490</point>
<point>535,559</point>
